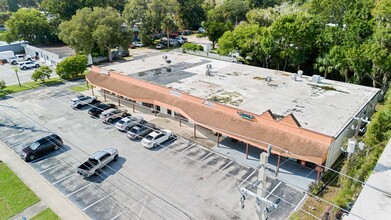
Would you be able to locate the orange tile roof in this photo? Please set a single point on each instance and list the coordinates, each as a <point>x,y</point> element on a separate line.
<point>287,134</point>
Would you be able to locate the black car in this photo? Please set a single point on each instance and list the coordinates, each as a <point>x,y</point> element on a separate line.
<point>95,111</point>
<point>41,147</point>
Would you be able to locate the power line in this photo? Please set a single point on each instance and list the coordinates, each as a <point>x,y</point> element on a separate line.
<point>169,149</point>
<point>267,143</point>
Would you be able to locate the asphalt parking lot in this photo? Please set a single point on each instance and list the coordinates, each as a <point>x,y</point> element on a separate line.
<point>179,180</point>
<point>7,73</point>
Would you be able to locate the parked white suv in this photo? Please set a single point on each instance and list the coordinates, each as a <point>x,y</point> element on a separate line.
<point>156,138</point>
<point>125,124</point>
<point>81,100</point>
<point>28,64</point>
<point>18,58</point>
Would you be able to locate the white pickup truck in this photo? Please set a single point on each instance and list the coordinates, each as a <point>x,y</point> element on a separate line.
<point>97,161</point>
<point>18,58</point>
<point>81,100</point>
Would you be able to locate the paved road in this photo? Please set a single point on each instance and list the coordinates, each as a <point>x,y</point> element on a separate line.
<point>179,180</point>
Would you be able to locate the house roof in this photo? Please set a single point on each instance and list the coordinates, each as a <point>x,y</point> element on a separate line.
<point>294,141</point>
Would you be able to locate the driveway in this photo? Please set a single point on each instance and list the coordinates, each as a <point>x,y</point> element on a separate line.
<point>179,180</point>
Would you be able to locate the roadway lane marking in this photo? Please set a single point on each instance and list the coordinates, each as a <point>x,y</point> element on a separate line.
<point>66,177</point>
<point>206,156</point>
<point>248,177</point>
<point>78,190</point>
<point>226,165</point>
<point>300,203</point>
<point>273,190</point>
<point>103,198</point>
<point>50,168</point>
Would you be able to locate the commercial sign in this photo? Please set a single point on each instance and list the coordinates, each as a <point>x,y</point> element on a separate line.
<point>175,93</point>
<point>245,115</point>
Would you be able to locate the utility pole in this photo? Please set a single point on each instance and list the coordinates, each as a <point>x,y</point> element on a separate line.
<point>262,177</point>
<point>262,204</point>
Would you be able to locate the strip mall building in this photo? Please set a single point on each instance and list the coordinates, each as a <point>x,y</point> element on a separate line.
<point>304,118</point>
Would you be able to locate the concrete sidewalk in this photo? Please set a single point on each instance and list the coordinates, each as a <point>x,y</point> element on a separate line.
<point>44,190</point>
<point>203,137</point>
<point>30,211</point>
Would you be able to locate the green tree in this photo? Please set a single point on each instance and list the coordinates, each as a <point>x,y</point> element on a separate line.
<point>42,73</point>
<point>262,17</point>
<point>72,67</point>
<point>64,9</point>
<point>191,13</point>
<point>12,5</point>
<point>295,37</point>
<point>246,39</point>
<point>28,24</point>
<point>168,25</point>
<point>2,85</point>
<point>102,27</point>
<point>149,16</point>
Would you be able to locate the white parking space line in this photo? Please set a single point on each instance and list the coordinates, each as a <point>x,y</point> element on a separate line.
<point>117,215</point>
<point>191,145</point>
<point>103,198</point>
<point>206,156</point>
<point>301,201</point>
<point>66,177</point>
<point>50,168</point>
<point>78,190</point>
<point>273,190</point>
<point>11,136</point>
<point>248,177</point>
<point>226,165</point>
<point>142,208</point>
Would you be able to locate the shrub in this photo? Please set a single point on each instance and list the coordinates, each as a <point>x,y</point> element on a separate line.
<point>2,85</point>
<point>192,46</point>
<point>42,73</point>
<point>72,67</point>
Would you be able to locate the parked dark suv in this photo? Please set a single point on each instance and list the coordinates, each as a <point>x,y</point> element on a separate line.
<point>41,147</point>
<point>97,110</point>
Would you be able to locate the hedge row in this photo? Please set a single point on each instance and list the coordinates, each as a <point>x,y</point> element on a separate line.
<point>192,46</point>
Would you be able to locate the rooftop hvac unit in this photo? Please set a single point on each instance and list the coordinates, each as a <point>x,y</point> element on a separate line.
<point>268,79</point>
<point>300,73</point>
<point>316,79</point>
<point>351,146</point>
<point>294,76</point>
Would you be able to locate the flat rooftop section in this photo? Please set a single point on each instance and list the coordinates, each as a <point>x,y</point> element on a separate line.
<point>324,107</point>
<point>62,51</point>
<point>373,203</point>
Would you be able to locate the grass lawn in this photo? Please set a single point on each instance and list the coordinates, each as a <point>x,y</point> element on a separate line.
<point>80,88</point>
<point>30,85</point>
<point>14,195</point>
<point>46,214</point>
